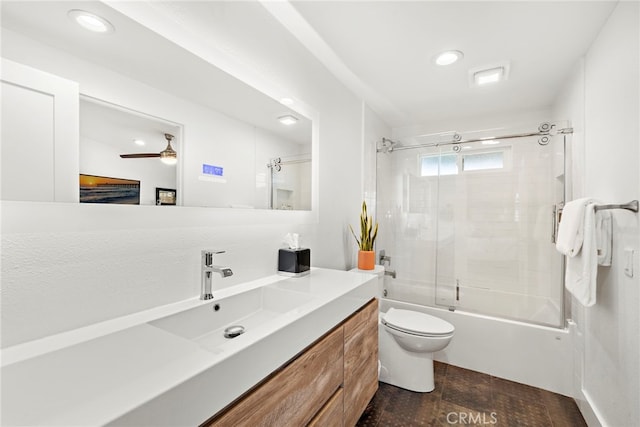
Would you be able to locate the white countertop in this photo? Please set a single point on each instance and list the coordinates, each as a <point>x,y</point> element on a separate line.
<point>129,372</point>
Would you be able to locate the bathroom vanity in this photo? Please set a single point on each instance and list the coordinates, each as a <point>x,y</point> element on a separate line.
<point>308,357</point>
<point>328,384</point>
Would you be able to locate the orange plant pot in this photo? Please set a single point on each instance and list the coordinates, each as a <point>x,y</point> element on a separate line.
<point>366,260</point>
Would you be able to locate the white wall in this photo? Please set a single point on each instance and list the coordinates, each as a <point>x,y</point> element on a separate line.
<point>373,130</point>
<point>468,127</point>
<point>603,101</point>
<point>67,265</point>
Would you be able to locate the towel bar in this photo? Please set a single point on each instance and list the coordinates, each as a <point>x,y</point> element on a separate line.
<point>631,206</point>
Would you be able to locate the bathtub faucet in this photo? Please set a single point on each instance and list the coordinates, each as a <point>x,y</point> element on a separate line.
<point>384,258</point>
<point>207,269</point>
<point>391,273</point>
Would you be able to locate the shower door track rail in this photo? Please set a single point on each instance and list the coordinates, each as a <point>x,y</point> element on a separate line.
<point>545,131</point>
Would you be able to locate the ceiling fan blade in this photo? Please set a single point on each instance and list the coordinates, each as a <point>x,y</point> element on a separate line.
<point>139,155</point>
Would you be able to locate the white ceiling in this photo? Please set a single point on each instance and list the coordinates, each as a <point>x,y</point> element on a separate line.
<point>384,49</point>
<point>381,50</point>
<point>118,128</point>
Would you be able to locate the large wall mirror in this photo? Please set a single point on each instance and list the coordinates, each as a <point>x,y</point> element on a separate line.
<point>140,95</point>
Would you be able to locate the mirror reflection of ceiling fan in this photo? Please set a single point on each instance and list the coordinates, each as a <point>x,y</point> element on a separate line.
<point>167,156</point>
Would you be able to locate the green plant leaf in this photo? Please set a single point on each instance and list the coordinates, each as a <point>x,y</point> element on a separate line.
<point>368,231</point>
<point>354,235</point>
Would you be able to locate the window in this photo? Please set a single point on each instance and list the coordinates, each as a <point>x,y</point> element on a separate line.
<point>483,161</point>
<point>434,165</point>
<point>466,161</point>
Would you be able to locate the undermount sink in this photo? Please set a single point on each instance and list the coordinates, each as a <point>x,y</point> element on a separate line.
<point>254,310</point>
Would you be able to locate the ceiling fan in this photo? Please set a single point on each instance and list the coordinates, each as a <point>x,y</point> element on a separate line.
<point>167,156</point>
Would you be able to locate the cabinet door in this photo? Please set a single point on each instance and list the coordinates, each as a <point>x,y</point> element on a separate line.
<point>296,393</point>
<point>331,414</point>
<point>360,361</point>
<point>40,134</point>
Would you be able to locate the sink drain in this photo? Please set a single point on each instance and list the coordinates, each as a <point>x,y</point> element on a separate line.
<point>233,331</point>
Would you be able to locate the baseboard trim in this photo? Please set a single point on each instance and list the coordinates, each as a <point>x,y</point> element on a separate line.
<point>589,411</point>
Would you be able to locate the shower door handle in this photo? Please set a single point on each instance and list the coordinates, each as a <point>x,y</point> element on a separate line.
<point>555,223</point>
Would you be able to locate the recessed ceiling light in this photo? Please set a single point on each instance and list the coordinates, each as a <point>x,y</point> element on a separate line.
<point>138,142</point>
<point>488,75</point>
<point>286,101</point>
<point>447,58</point>
<point>91,21</point>
<point>288,120</point>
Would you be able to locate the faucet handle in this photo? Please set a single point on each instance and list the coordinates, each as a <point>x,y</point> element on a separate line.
<point>207,256</point>
<point>384,257</point>
<point>212,251</point>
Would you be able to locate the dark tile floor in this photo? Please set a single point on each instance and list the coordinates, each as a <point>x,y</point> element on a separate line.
<point>463,398</point>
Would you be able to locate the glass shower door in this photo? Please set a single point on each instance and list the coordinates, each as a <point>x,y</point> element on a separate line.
<point>495,225</point>
<point>407,204</point>
<point>469,226</point>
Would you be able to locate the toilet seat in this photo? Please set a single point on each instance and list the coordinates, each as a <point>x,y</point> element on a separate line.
<point>416,323</point>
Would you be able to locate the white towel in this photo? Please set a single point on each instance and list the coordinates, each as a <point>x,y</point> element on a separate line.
<point>571,229</point>
<point>603,237</point>
<point>582,268</point>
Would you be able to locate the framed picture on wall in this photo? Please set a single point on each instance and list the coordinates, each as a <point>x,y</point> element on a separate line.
<point>102,189</point>
<point>165,196</point>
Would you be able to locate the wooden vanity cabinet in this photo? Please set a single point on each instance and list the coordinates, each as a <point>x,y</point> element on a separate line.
<point>331,414</point>
<point>329,384</point>
<point>360,361</point>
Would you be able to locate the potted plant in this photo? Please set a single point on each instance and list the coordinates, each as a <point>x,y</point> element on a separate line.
<point>368,234</point>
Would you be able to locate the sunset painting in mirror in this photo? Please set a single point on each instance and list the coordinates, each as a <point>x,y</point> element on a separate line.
<point>101,189</point>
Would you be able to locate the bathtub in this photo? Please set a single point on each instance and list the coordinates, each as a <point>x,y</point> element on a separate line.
<point>537,309</point>
<point>536,355</point>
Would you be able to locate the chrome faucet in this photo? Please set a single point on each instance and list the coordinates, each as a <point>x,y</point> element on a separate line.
<point>207,269</point>
<point>384,258</point>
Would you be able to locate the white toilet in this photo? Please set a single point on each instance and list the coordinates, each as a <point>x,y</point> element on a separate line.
<point>407,341</point>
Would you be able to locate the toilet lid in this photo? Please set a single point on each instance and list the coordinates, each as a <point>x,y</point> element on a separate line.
<point>417,323</point>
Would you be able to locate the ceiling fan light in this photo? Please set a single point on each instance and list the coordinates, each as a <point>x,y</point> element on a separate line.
<point>168,160</point>
<point>169,156</point>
